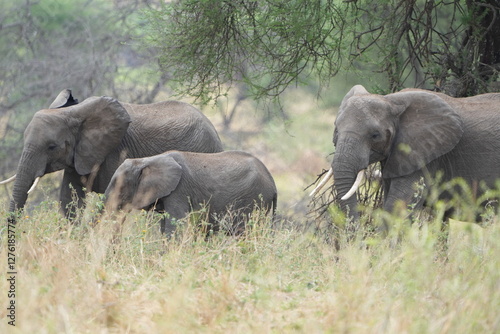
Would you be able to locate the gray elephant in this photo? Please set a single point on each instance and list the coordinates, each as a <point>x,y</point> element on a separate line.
<point>89,140</point>
<point>415,134</point>
<point>178,182</point>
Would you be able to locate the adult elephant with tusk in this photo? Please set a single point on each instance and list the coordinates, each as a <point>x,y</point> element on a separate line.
<point>415,134</point>
<point>89,140</point>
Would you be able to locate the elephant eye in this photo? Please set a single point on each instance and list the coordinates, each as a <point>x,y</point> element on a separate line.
<point>52,147</point>
<point>376,135</point>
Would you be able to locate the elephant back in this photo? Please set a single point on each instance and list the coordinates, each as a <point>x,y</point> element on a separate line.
<point>171,125</point>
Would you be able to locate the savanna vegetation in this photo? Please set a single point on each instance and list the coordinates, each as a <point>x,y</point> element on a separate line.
<point>129,279</point>
<point>118,274</point>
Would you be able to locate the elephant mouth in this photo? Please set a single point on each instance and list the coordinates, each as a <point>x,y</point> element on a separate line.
<point>55,166</point>
<point>329,175</point>
<point>360,177</point>
<point>376,156</point>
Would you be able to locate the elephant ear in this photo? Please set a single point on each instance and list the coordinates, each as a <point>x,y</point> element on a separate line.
<point>103,122</point>
<point>159,177</point>
<point>428,128</point>
<point>64,99</point>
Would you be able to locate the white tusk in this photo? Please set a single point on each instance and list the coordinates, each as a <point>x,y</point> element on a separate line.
<point>322,182</point>
<point>34,185</point>
<point>355,186</point>
<point>10,179</point>
<point>376,174</point>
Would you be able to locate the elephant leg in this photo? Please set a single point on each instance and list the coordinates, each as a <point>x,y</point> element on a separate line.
<point>168,226</point>
<point>174,209</point>
<point>402,194</point>
<point>405,189</point>
<point>72,194</point>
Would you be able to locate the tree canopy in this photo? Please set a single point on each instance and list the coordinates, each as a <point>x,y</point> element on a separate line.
<point>206,46</point>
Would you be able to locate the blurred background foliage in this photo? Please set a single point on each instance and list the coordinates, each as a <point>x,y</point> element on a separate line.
<point>248,60</point>
<point>90,46</point>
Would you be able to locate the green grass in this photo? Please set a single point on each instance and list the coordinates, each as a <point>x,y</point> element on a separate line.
<point>127,278</point>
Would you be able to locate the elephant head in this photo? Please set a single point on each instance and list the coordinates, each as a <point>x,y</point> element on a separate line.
<point>66,135</point>
<point>404,131</point>
<point>135,185</point>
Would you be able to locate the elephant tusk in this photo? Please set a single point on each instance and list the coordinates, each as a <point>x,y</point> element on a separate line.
<point>34,185</point>
<point>359,179</point>
<point>376,174</point>
<point>10,179</point>
<point>322,182</point>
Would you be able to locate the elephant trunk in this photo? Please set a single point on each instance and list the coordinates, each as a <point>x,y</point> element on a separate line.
<point>28,170</point>
<point>347,163</point>
<point>117,194</point>
<point>110,200</point>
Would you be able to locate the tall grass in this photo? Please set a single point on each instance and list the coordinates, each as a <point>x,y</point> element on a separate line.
<point>125,277</point>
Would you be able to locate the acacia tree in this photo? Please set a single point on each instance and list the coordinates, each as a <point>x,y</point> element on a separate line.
<point>206,46</point>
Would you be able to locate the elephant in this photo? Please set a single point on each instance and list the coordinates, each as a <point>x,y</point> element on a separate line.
<point>89,140</point>
<point>416,135</point>
<point>177,182</point>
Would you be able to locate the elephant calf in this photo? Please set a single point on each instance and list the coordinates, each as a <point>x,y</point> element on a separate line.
<point>178,182</point>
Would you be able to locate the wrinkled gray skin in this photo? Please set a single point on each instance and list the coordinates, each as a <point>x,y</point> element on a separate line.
<point>178,182</point>
<point>91,139</point>
<point>413,132</point>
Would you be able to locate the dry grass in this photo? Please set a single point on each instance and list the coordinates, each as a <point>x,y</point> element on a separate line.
<point>83,279</point>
